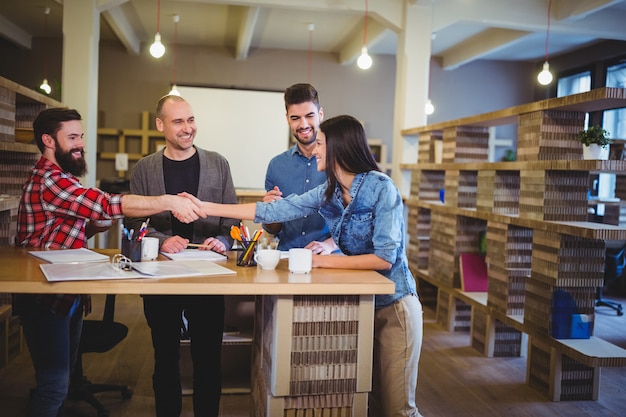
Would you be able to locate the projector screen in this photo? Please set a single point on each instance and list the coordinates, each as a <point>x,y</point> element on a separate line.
<point>247,127</point>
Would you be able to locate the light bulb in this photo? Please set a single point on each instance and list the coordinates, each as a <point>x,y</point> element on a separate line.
<point>545,76</point>
<point>174,91</point>
<point>157,49</point>
<point>365,61</point>
<point>429,108</point>
<point>45,86</point>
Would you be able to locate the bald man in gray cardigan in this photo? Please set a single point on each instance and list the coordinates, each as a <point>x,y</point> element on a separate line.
<point>215,185</point>
<point>182,167</point>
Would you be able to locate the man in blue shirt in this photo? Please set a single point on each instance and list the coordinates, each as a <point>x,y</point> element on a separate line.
<point>295,172</point>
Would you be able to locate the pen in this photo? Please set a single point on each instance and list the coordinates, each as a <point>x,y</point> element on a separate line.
<point>197,245</point>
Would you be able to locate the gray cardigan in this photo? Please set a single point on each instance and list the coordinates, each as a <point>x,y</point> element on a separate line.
<point>215,185</point>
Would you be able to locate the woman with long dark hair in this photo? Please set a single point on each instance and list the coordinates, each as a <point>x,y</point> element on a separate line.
<point>364,212</point>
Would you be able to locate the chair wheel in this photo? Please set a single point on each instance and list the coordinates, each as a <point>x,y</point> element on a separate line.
<point>126,394</point>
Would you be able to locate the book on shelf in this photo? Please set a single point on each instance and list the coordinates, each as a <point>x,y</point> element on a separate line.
<point>473,269</point>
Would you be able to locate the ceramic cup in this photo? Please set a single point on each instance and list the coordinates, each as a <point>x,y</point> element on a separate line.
<point>267,258</point>
<point>149,248</point>
<point>300,260</point>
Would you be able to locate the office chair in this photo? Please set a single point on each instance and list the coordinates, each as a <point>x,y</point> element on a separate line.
<point>98,336</point>
<point>615,262</point>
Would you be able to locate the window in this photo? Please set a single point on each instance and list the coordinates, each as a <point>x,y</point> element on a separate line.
<point>574,84</point>
<point>615,120</point>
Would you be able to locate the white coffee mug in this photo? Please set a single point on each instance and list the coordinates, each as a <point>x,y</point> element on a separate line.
<point>300,260</point>
<point>267,258</point>
<point>149,248</point>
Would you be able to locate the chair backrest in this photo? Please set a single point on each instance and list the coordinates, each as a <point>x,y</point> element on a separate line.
<point>103,335</point>
<point>615,262</point>
<point>109,308</point>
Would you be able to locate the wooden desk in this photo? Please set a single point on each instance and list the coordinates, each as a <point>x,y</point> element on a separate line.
<point>20,273</point>
<point>313,333</point>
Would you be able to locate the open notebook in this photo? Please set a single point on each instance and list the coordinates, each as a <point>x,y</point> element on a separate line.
<point>60,256</point>
<point>195,255</point>
<point>87,271</point>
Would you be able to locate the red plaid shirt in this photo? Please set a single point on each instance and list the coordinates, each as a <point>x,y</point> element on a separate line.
<point>53,211</point>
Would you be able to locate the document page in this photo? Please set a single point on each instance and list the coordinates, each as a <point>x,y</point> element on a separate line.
<point>195,254</point>
<point>60,256</point>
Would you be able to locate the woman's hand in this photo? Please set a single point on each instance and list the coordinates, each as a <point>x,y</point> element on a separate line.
<point>322,248</point>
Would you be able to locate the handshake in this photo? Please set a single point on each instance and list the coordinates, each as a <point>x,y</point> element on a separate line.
<point>186,207</point>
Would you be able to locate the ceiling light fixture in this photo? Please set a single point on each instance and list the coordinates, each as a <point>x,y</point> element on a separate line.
<point>174,91</point>
<point>429,108</point>
<point>364,61</point>
<point>157,49</point>
<point>545,76</point>
<point>310,57</point>
<point>45,87</point>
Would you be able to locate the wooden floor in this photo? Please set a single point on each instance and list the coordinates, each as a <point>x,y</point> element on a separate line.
<point>455,380</point>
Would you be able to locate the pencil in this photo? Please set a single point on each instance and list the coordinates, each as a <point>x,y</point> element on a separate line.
<point>197,245</point>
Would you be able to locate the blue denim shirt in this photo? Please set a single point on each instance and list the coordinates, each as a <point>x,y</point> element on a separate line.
<point>294,173</point>
<point>373,222</point>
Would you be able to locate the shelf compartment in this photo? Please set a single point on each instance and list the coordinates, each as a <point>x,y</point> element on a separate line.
<point>427,184</point>
<point>549,135</point>
<point>493,338</point>
<point>430,146</point>
<point>509,253</point>
<point>419,237</point>
<point>460,188</point>
<point>558,376</point>
<point>449,237</point>
<point>554,195</point>
<point>498,192</point>
<point>465,144</point>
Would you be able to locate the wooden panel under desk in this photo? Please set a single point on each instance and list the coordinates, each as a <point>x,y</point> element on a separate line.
<point>20,273</point>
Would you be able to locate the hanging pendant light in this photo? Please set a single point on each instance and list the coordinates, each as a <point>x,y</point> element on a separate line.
<point>157,49</point>
<point>365,60</point>
<point>174,91</point>
<point>429,108</point>
<point>545,76</point>
<point>45,87</point>
<point>311,27</point>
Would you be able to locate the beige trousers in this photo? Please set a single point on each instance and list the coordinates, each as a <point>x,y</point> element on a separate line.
<point>398,331</point>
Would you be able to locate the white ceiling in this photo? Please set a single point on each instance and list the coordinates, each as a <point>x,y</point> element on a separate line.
<point>462,30</point>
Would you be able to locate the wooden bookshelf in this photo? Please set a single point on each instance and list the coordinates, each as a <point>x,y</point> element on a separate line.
<point>534,212</point>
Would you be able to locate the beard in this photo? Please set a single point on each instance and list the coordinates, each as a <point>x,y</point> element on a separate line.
<point>305,141</point>
<point>76,167</point>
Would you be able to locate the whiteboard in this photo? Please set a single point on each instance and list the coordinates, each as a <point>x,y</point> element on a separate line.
<point>247,127</point>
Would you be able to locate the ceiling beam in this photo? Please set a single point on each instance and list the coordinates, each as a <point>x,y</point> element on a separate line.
<point>388,12</point>
<point>122,28</point>
<point>479,45</point>
<point>246,31</point>
<point>14,33</point>
<point>573,10</point>
<point>351,49</point>
<point>104,5</point>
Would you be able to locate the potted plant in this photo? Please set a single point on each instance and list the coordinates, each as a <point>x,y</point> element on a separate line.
<point>595,141</point>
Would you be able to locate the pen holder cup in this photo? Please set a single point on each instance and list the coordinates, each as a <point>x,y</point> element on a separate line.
<point>132,249</point>
<point>247,255</point>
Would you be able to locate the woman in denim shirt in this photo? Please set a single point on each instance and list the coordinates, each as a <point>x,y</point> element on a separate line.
<point>364,212</point>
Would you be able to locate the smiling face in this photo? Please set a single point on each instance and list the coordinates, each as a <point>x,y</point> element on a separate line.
<point>69,147</point>
<point>304,121</point>
<point>320,151</point>
<point>178,125</point>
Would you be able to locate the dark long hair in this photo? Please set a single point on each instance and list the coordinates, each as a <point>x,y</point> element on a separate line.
<point>346,148</point>
<point>48,122</point>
